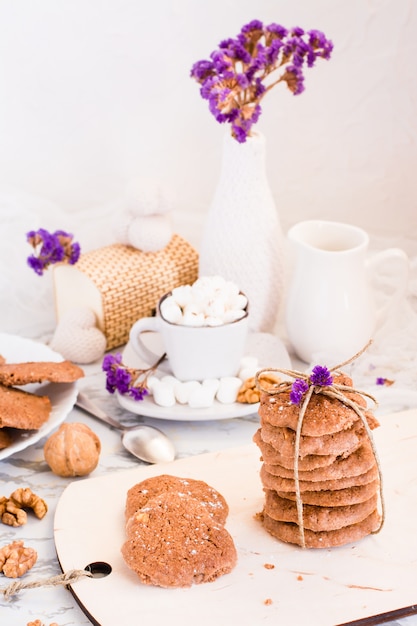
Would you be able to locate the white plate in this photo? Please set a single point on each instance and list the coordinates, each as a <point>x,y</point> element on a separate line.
<point>268,349</point>
<point>63,395</point>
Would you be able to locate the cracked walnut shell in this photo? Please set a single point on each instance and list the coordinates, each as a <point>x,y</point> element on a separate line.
<point>73,450</point>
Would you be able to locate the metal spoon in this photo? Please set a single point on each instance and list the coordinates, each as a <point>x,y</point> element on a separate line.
<point>147,443</point>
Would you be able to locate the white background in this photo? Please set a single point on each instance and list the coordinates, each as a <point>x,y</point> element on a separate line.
<point>94,93</point>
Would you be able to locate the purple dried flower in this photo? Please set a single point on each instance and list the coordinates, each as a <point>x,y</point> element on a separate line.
<point>244,69</point>
<point>277,29</point>
<point>384,381</point>
<point>51,248</point>
<point>321,376</point>
<point>127,380</point>
<point>253,25</point>
<point>138,393</point>
<point>298,389</point>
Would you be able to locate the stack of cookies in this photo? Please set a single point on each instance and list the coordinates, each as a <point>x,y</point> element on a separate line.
<point>175,532</point>
<point>337,470</point>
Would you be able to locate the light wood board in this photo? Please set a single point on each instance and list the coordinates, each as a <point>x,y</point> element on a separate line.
<point>307,587</point>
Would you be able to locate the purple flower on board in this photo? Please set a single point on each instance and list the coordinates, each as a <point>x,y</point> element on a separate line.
<point>50,248</point>
<point>386,382</point>
<point>242,70</point>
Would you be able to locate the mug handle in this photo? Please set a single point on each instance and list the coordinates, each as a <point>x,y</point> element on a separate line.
<point>400,288</point>
<point>142,325</point>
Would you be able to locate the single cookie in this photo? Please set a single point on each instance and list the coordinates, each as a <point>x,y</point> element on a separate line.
<point>273,457</point>
<point>357,463</point>
<point>23,410</point>
<point>174,542</point>
<point>318,518</point>
<point>287,484</point>
<point>209,498</point>
<point>37,372</point>
<point>290,533</point>
<point>323,416</point>
<point>336,497</point>
<point>341,443</point>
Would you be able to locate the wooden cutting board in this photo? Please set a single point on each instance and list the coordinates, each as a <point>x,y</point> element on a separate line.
<point>372,577</point>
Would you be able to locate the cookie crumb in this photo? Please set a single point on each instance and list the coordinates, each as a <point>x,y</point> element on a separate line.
<point>299,577</point>
<point>269,565</point>
<point>268,602</point>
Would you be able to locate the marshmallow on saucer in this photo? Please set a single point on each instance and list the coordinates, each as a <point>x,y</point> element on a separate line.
<point>202,396</point>
<point>183,390</point>
<point>249,365</point>
<point>228,388</point>
<point>163,394</point>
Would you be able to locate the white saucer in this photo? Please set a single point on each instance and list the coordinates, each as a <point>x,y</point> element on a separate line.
<point>268,349</point>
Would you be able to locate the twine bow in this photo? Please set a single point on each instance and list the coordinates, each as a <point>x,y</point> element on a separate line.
<point>332,390</point>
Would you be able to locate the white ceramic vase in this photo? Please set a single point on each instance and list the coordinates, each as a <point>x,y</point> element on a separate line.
<point>242,238</point>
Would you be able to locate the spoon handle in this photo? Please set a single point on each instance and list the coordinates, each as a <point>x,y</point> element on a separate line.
<point>87,405</point>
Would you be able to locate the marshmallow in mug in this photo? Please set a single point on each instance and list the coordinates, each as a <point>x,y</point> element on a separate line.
<point>209,301</point>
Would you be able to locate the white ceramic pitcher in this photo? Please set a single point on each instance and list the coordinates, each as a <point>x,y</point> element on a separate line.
<point>330,306</point>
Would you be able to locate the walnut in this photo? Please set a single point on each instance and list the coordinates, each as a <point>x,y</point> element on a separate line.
<point>250,394</point>
<point>38,622</point>
<point>16,560</point>
<point>73,450</point>
<point>12,509</point>
<point>25,498</point>
<point>13,515</point>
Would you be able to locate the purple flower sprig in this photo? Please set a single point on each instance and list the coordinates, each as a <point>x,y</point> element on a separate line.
<point>384,382</point>
<point>243,70</point>
<point>320,377</point>
<point>127,380</point>
<point>50,248</point>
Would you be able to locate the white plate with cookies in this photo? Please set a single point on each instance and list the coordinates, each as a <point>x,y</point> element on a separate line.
<point>15,349</point>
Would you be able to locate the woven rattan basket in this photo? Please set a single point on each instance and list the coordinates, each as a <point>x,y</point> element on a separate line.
<point>121,284</point>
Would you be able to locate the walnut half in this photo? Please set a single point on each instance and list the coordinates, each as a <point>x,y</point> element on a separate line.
<point>12,510</point>
<point>249,392</point>
<point>16,560</point>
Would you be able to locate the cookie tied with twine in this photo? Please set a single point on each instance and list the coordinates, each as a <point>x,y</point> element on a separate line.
<point>322,407</point>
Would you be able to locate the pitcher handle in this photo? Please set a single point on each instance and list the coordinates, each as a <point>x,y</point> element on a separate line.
<point>400,288</point>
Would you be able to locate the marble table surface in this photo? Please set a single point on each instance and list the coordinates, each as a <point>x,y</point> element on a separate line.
<point>29,469</point>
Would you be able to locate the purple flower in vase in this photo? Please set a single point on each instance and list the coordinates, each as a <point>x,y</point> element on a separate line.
<point>243,69</point>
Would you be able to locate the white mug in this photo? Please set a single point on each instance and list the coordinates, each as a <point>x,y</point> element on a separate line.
<point>194,352</point>
<point>330,306</point>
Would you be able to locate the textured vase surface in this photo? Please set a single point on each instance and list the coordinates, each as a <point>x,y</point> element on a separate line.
<point>242,238</point>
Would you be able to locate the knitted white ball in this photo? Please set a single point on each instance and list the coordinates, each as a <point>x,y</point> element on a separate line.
<point>77,337</point>
<point>150,233</point>
<point>121,225</point>
<point>146,196</point>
